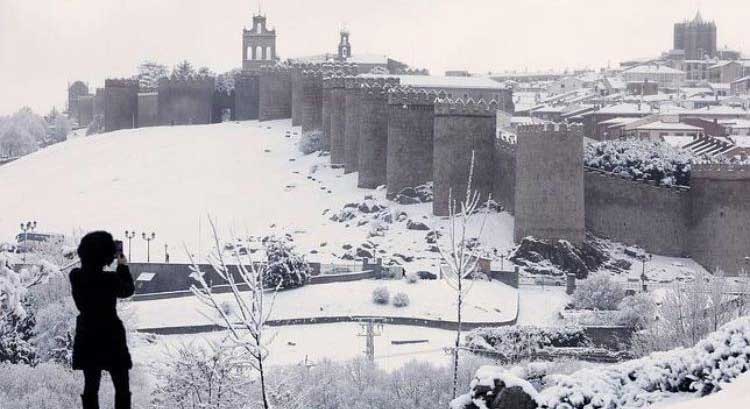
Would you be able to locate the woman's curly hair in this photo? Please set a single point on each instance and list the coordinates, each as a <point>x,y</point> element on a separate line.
<point>97,249</point>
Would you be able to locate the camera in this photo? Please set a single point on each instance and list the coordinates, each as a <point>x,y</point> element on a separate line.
<point>118,248</point>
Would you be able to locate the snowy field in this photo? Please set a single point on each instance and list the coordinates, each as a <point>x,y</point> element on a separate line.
<point>429,299</point>
<point>337,342</point>
<point>248,175</point>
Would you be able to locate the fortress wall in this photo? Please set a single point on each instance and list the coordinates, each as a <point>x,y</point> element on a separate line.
<point>652,217</point>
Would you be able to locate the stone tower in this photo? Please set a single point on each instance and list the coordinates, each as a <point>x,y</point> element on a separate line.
<point>258,44</point>
<point>345,48</point>
<point>549,194</point>
<point>462,128</point>
<point>718,230</point>
<point>697,38</point>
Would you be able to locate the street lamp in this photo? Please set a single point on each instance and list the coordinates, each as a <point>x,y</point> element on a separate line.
<point>25,228</point>
<point>148,244</point>
<point>644,277</point>
<point>130,235</point>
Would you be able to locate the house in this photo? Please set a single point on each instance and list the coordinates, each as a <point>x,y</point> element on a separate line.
<point>740,86</point>
<point>661,74</point>
<point>725,71</point>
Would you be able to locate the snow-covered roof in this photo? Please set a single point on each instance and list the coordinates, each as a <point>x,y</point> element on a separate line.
<point>653,69</point>
<point>436,81</point>
<point>736,123</point>
<point>668,126</point>
<point>717,110</point>
<point>619,121</point>
<point>616,82</point>
<point>722,64</point>
<point>745,78</point>
<point>626,108</point>
<point>368,59</point>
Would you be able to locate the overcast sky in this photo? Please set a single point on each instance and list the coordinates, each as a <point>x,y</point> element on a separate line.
<point>44,44</point>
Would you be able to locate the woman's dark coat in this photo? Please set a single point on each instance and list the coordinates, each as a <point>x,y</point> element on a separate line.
<point>100,336</point>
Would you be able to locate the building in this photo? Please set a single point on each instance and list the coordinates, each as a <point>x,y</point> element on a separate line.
<point>258,44</point>
<point>726,71</point>
<point>663,75</point>
<point>740,86</point>
<point>697,38</point>
<point>345,47</point>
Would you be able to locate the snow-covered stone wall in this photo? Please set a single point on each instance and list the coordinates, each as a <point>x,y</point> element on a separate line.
<point>120,104</point>
<point>637,212</point>
<point>352,88</point>
<point>184,102</point>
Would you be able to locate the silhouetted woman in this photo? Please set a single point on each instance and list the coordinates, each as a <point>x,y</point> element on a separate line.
<point>100,336</point>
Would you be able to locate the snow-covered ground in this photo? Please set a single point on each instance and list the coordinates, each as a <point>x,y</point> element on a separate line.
<point>248,175</point>
<point>735,395</point>
<point>337,342</point>
<point>429,299</point>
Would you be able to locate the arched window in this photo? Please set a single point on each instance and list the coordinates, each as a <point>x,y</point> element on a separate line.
<point>258,53</point>
<point>259,28</point>
<point>250,55</point>
<point>268,53</point>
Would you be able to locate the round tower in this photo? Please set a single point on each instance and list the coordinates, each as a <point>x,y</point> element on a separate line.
<point>373,132</point>
<point>462,129</point>
<point>410,133</point>
<point>337,110</point>
<point>352,87</point>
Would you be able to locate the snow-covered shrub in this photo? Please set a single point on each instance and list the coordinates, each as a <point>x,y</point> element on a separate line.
<point>202,376</point>
<point>598,292</point>
<point>412,277</point>
<point>311,142</point>
<point>286,268</point>
<point>517,342</point>
<point>401,300</point>
<point>381,295</point>
<point>641,160</point>
<point>149,74</point>
<point>637,310</point>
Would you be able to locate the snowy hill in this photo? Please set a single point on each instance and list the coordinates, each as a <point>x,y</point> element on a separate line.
<point>248,175</point>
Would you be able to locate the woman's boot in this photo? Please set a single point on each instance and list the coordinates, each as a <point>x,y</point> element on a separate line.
<point>90,401</point>
<point>122,400</point>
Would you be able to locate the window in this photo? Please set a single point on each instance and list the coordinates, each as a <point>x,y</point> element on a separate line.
<point>268,53</point>
<point>258,53</point>
<point>259,28</point>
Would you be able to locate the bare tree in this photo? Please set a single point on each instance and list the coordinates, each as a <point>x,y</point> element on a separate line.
<point>460,254</point>
<point>246,323</point>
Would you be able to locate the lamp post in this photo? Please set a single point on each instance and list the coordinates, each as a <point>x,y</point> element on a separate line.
<point>644,277</point>
<point>148,239</point>
<point>25,228</point>
<point>130,235</point>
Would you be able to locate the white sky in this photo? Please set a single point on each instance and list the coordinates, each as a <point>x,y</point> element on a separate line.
<point>44,44</point>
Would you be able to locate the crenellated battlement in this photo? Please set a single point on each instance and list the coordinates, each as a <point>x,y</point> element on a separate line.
<point>505,145</point>
<point>313,74</point>
<point>558,130</point>
<point>333,81</point>
<point>191,83</point>
<point>413,96</point>
<point>352,82</point>
<point>724,171</point>
<point>459,107</point>
<point>121,83</point>
<point>275,69</point>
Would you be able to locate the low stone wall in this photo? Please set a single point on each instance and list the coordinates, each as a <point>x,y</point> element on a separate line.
<point>652,217</point>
